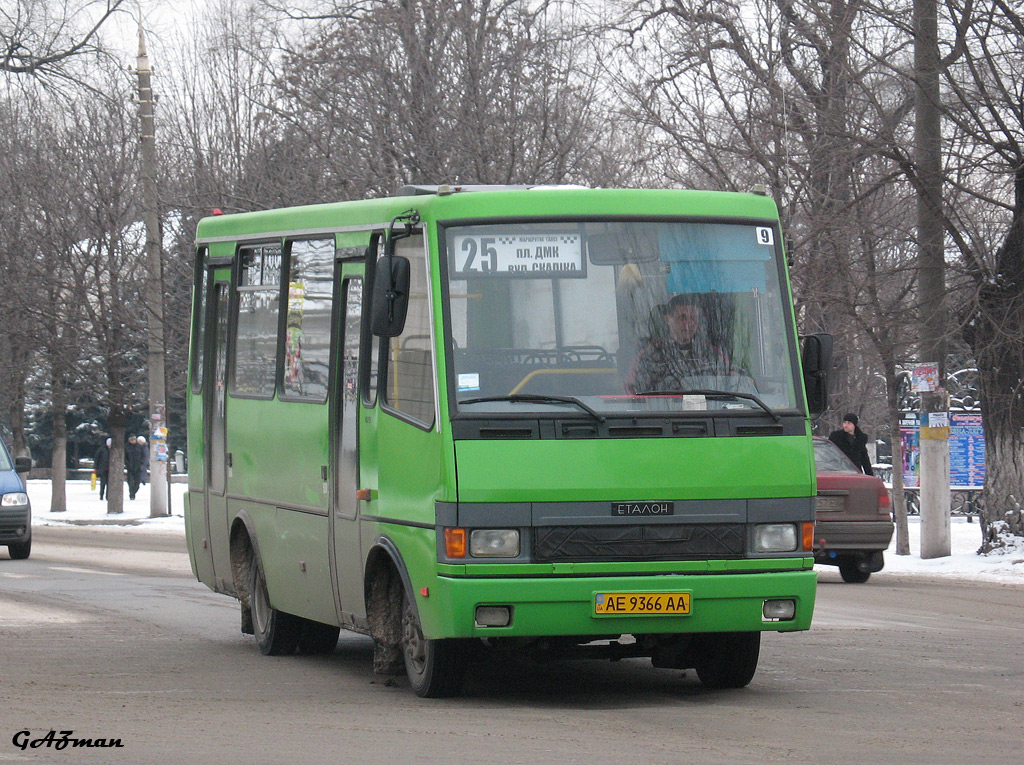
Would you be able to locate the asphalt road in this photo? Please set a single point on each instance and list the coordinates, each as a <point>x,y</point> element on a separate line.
<point>106,633</point>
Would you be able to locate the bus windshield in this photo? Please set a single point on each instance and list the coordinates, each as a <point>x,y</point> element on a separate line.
<point>623,317</point>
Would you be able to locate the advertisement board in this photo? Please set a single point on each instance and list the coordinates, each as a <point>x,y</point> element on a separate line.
<point>910,437</point>
<point>966,450</point>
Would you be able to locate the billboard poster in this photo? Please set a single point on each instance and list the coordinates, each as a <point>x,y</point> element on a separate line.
<point>925,378</point>
<point>910,435</point>
<point>966,450</point>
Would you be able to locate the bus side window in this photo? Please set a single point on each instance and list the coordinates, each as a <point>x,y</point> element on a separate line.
<point>410,374</point>
<point>307,340</point>
<point>259,282</point>
<point>369,366</point>
<point>202,286</point>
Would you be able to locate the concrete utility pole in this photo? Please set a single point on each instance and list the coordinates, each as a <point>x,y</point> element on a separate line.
<point>158,503</point>
<point>935,501</point>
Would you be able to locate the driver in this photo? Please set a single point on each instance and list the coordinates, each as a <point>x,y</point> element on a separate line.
<point>666,363</point>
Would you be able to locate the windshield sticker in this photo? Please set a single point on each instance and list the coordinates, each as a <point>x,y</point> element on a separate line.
<point>469,381</point>
<point>518,255</point>
<point>765,235</point>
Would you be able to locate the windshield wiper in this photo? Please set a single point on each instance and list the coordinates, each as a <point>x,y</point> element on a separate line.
<point>711,393</point>
<point>536,398</point>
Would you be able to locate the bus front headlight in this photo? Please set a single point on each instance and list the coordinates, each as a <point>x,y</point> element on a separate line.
<point>775,537</point>
<point>494,543</point>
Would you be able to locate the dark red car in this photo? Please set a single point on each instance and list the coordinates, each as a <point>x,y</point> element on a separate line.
<point>853,525</point>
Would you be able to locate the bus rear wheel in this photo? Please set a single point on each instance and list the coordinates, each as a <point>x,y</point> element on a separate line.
<point>316,638</point>
<point>727,659</point>
<point>276,633</point>
<point>436,668</point>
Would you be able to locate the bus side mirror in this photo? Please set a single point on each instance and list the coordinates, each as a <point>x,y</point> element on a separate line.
<point>816,360</point>
<point>390,300</point>
<point>22,464</point>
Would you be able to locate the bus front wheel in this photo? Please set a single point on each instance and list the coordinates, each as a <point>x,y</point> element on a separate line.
<point>436,668</point>
<point>276,633</point>
<point>727,659</point>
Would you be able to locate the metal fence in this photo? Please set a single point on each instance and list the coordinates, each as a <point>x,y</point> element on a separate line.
<point>962,501</point>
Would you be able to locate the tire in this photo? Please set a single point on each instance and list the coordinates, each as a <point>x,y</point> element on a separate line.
<point>851,573</point>
<point>317,638</point>
<point>727,659</point>
<point>276,633</point>
<point>20,550</point>
<point>436,668</point>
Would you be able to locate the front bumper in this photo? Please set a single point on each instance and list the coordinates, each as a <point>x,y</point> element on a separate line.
<point>563,605</point>
<point>15,524</point>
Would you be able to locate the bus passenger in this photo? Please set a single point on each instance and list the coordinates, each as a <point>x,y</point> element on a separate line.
<point>671,363</point>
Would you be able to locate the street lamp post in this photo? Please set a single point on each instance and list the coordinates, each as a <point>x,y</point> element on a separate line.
<point>158,506</point>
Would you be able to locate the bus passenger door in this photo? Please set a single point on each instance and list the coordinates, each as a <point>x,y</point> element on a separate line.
<point>198,527</point>
<point>215,398</point>
<point>346,557</point>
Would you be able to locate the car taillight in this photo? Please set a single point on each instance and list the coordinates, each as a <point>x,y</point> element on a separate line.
<point>884,500</point>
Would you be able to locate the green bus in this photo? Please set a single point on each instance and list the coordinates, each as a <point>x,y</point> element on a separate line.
<point>552,420</point>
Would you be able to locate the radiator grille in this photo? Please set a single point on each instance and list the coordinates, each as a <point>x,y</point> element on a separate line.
<point>638,542</point>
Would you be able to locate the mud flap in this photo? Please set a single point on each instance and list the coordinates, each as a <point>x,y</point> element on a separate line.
<point>871,562</point>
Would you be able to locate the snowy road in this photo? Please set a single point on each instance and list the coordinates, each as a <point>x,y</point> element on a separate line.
<point>105,632</point>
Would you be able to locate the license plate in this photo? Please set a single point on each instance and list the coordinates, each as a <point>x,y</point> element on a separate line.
<point>830,504</point>
<point>645,603</point>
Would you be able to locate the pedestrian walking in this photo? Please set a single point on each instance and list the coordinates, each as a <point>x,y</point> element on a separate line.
<point>144,448</point>
<point>133,465</point>
<point>101,465</point>
<point>853,441</point>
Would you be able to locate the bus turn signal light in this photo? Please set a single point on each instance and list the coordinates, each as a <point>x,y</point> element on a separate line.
<point>455,543</point>
<point>808,536</point>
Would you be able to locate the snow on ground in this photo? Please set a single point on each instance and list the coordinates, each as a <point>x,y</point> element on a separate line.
<point>85,507</point>
<point>963,561</point>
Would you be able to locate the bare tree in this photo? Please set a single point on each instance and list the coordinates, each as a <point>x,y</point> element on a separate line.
<point>217,133</point>
<point>428,91</point>
<point>102,154</point>
<point>22,242</point>
<point>41,38</point>
<point>61,315</point>
<point>984,81</point>
<point>809,98</point>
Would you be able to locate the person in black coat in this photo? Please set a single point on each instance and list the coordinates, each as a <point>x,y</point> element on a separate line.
<point>133,465</point>
<point>101,466</point>
<point>854,442</point>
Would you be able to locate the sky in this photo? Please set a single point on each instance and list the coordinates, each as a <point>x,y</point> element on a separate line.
<point>164,22</point>
<point>85,507</point>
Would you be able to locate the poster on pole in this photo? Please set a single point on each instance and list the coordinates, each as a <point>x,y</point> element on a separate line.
<point>910,434</point>
<point>924,378</point>
<point>966,450</point>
